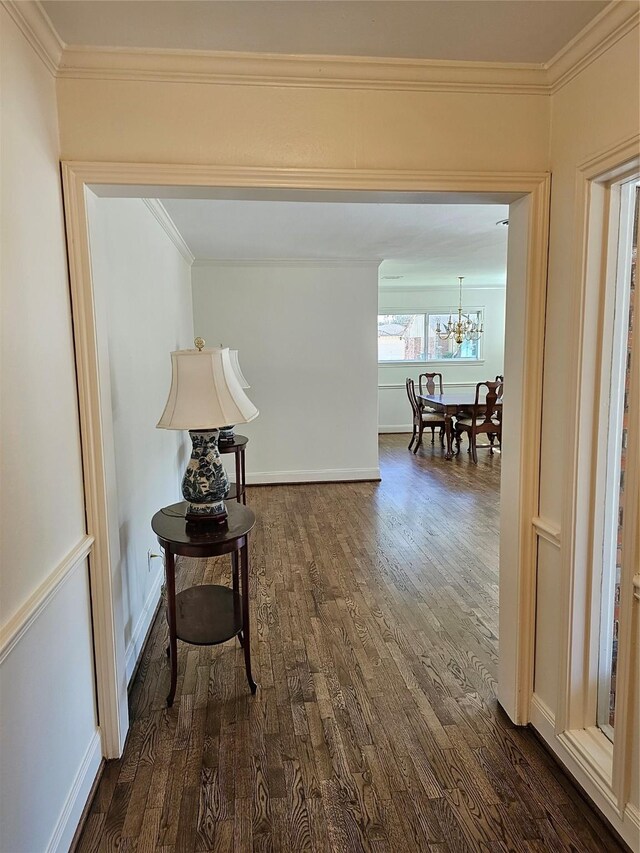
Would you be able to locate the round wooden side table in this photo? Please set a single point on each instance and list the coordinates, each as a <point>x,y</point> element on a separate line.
<point>206,614</point>
<point>237,446</point>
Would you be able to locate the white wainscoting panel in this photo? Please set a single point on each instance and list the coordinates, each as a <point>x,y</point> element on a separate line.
<point>49,738</point>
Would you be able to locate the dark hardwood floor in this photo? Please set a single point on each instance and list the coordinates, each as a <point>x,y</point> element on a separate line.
<point>375,726</point>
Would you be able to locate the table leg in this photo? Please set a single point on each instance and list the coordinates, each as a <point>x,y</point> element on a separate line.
<point>234,584</point>
<point>448,431</point>
<point>244,570</point>
<point>243,477</point>
<point>238,496</point>
<point>170,576</point>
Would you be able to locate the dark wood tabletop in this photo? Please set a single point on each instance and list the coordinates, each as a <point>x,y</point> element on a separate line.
<point>452,399</point>
<point>238,442</point>
<point>202,538</point>
<point>452,403</point>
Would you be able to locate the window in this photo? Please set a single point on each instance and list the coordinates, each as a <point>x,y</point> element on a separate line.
<point>617,371</point>
<point>438,350</point>
<point>401,337</point>
<point>413,337</point>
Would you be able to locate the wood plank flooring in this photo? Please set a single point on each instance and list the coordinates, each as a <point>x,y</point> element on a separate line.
<point>375,727</point>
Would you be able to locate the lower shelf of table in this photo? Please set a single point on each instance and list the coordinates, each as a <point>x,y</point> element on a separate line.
<point>233,492</point>
<point>208,614</point>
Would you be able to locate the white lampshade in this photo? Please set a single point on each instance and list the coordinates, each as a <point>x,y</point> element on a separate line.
<point>205,392</point>
<point>236,369</point>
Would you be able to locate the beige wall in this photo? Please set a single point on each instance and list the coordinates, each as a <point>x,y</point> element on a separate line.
<point>48,736</point>
<point>39,407</point>
<point>597,110</point>
<point>292,127</point>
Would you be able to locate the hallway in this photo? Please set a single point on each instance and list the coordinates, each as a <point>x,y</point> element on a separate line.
<point>375,726</point>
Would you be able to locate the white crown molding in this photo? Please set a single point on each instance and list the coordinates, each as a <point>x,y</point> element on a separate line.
<point>34,23</point>
<point>159,212</point>
<point>342,72</point>
<point>285,262</point>
<point>267,69</point>
<point>609,26</point>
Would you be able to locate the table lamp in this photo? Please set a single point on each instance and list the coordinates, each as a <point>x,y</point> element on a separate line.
<point>205,394</point>
<point>226,432</point>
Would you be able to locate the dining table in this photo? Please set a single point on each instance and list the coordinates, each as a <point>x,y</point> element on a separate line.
<point>452,404</point>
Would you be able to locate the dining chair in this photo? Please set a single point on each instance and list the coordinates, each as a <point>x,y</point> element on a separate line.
<point>427,385</point>
<point>422,419</point>
<point>499,378</point>
<point>428,381</point>
<point>484,418</point>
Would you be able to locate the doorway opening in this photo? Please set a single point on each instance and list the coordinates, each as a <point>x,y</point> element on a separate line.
<point>528,199</point>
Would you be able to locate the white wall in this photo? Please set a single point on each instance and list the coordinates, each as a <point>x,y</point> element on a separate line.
<point>144,286</point>
<point>306,336</point>
<point>394,410</point>
<point>49,745</point>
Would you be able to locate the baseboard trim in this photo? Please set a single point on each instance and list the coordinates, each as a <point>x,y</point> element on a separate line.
<point>87,807</point>
<point>542,717</point>
<point>395,428</point>
<point>323,475</point>
<point>632,815</point>
<point>12,631</point>
<point>75,803</point>
<point>143,625</point>
<point>571,757</point>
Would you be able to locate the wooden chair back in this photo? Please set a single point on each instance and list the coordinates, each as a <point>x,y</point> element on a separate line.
<point>428,381</point>
<point>500,378</point>
<point>411,394</point>
<point>487,408</point>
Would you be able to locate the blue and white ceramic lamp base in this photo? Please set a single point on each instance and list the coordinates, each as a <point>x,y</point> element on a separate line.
<point>205,484</point>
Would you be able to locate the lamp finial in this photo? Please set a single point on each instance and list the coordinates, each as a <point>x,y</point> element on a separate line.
<point>199,342</point>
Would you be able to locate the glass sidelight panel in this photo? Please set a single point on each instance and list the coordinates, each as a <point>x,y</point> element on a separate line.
<point>622,341</point>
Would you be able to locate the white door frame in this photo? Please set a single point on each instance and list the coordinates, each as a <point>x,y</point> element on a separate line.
<point>518,522</point>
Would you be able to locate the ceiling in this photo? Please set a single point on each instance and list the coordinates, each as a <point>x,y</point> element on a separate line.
<point>424,244</point>
<point>522,31</point>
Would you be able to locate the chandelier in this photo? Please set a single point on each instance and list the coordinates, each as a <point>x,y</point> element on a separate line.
<point>462,329</point>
